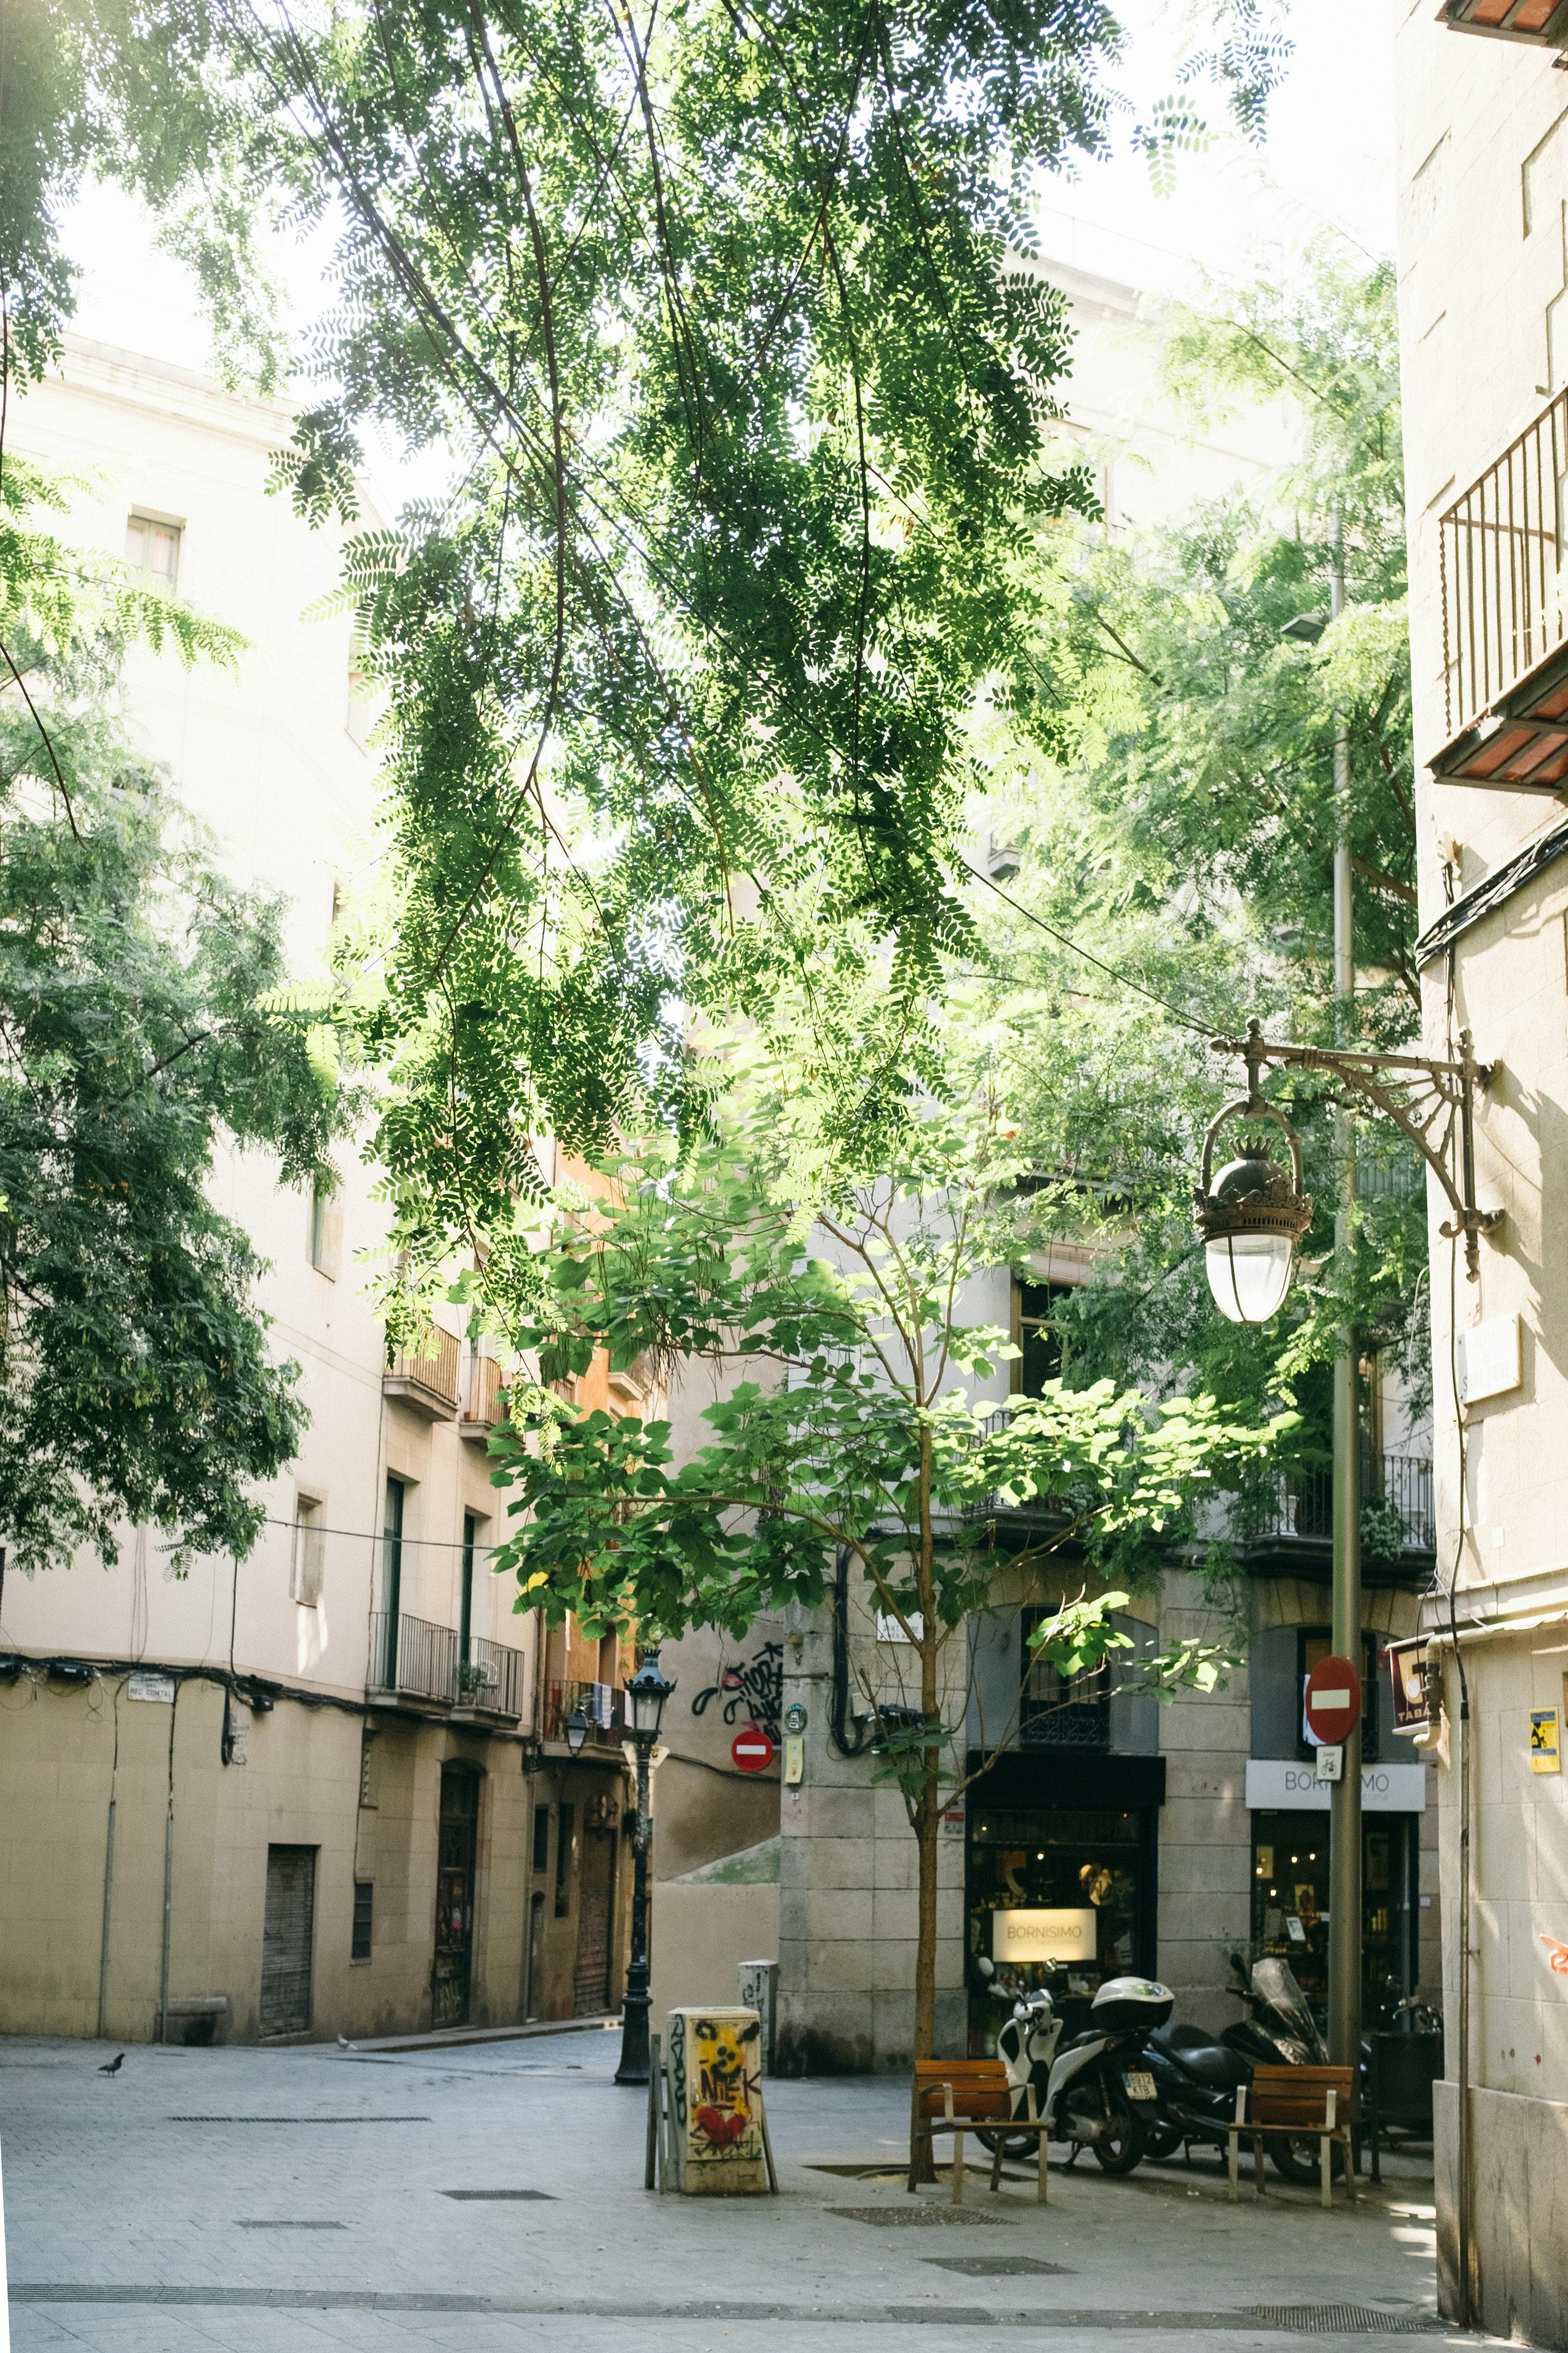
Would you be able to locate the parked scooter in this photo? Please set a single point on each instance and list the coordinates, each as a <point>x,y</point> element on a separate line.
<point>1279,2030</point>
<point>1100,2094</point>
<point>1198,2077</point>
<point>1026,2046</point>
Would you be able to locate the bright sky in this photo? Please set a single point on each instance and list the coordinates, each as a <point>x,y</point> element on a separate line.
<point>1328,160</point>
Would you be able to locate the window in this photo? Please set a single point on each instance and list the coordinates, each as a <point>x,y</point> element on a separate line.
<point>1058,1713</point>
<point>566,1841</point>
<point>1037,1331</point>
<point>466,1597</point>
<point>391,1581</point>
<point>152,544</point>
<point>326,1231</point>
<point>541,1838</point>
<point>305,1581</point>
<point>364,1901</point>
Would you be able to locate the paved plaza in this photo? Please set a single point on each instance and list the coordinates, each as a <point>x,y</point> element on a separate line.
<point>490,2198</point>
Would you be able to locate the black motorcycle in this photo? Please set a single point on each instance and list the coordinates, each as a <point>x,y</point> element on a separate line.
<point>1198,2077</point>
<point>1279,2030</point>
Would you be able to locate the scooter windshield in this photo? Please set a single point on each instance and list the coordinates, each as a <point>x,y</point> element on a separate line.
<point>1274,1982</point>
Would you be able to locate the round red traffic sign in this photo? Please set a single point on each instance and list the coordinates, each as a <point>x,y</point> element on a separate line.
<point>1333,1701</point>
<point>751,1749</point>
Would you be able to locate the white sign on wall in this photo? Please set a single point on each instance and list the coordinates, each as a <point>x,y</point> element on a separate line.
<point>1030,1936</point>
<point>1488,1359</point>
<point>1276,1786</point>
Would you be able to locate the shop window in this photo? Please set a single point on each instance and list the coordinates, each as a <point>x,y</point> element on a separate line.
<point>1291,1903</point>
<point>1054,1897</point>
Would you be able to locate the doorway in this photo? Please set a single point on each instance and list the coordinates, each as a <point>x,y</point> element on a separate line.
<point>287,1938</point>
<point>1290,1901</point>
<point>451,1978</point>
<point>591,1978</point>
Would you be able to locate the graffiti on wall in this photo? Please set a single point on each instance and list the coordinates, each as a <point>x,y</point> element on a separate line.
<point>754,1685</point>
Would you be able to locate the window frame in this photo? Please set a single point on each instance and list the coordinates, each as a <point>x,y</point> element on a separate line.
<point>306,1551</point>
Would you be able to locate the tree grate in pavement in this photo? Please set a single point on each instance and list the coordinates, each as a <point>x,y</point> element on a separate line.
<point>993,2266</point>
<point>495,2195</point>
<point>1348,2320</point>
<point>914,2217</point>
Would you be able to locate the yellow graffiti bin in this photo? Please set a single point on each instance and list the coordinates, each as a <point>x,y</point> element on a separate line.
<point>718,2134</point>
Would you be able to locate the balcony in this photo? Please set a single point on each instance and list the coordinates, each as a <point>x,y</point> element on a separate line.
<point>1543,23</point>
<point>425,1380</point>
<point>1287,1527</point>
<point>412,1659</point>
<point>490,1678</point>
<point>485,1403</point>
<point>603,1705</point>
<point>1505,617</point>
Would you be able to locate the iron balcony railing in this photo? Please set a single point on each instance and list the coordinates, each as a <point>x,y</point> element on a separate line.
<point>490,1677</point>
<point>1398,1514</point>
<point>1501,551</point>
<point>602,1706</point>
<point>425,1661</point>
<point>409,1654</point>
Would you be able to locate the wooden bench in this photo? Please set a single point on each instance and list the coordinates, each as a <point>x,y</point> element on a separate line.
<point>957,2095</point>
<point>1316,2101</point>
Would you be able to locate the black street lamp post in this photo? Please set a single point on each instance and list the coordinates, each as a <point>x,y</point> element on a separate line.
<point>646,1695</point>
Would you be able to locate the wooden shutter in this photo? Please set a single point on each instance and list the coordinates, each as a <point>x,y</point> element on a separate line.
<point>286,1939</point>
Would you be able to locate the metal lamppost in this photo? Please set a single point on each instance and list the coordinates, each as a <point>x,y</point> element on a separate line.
<point>646,1695</point>
<point>1250,1217</point>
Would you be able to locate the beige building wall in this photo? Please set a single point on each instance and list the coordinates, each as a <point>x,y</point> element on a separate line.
<point>1483,170</point>
<point>272,758</point>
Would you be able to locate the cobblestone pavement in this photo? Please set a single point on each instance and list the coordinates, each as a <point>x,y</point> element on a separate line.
<point>313,2199</point>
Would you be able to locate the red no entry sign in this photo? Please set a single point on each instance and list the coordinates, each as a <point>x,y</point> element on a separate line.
<point>1333,1701</point>
<point>752,1750</point>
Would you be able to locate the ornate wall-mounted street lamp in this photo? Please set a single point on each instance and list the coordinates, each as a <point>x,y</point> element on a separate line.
<point>646,1695</point>
<point>1253,1214</point>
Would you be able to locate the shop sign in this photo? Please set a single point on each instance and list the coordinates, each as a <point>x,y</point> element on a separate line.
<point>1276,1786</point>
<point>1018,1934</point>
<point>1545,1754</point>
<point>1407,1673</point>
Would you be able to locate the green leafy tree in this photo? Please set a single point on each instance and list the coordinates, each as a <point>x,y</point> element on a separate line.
<point>833,1326</point>
<point>1171,778</point>
<point>722,315</point>
<point>142,1025</point>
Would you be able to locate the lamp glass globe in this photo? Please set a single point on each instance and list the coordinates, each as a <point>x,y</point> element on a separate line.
<point>1248,1275</point>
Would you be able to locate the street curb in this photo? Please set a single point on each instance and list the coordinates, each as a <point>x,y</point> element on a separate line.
<point>452,2038</point>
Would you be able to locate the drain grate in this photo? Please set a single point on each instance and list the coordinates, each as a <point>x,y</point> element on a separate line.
<point>299,2120</point>
<point>293,2226</point>
<point>495,2195</point>
<point>914,2217</point>
<point>1349,2320</point>
<point>993,2266</point>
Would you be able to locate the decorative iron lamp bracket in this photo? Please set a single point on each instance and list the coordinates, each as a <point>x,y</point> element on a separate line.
<point>1429,1101</point>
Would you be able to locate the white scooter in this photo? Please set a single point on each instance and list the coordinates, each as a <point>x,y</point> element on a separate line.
<point>1091,2092</point>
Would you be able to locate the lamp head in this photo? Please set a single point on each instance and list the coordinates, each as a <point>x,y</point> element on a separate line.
<point>1251,1217</point>
<point>646,1695</point>
<point>576,1730</point>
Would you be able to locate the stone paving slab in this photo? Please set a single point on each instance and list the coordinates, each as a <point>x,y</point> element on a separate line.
<point>134,2204</point>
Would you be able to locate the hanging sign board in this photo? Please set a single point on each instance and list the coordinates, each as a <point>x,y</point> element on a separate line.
<point>1021,1935</point>
<point>1407,1672</point>
<point>1333,1700</point>
<point>1545,1745</point>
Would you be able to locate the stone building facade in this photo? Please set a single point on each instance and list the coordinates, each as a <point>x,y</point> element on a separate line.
<point>1482,108</point>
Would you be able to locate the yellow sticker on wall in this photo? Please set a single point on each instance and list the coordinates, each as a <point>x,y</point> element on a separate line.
<point>1545,1755</point>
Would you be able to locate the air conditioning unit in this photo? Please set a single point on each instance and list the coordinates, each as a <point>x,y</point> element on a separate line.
<point>1543,23</point>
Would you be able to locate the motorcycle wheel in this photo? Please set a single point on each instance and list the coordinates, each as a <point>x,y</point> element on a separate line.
<point>1164,2141</point>
<point>1126,2150</point>
<point>1012,2144</point>
<point>1295,2157</point>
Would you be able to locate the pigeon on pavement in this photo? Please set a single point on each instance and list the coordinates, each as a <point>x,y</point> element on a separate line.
<point>113,2066</point>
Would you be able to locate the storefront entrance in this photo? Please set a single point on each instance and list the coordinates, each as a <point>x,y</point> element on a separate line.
<point>1062,1879</point>
<point>1290,1900</point>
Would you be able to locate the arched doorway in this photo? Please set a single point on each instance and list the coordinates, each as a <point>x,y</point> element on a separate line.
<point>459,1837</point>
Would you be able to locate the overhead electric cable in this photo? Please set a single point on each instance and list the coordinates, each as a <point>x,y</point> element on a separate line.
<point>1204,1028</point>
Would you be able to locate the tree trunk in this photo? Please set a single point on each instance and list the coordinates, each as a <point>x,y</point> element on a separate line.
<point>927,1810</point>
